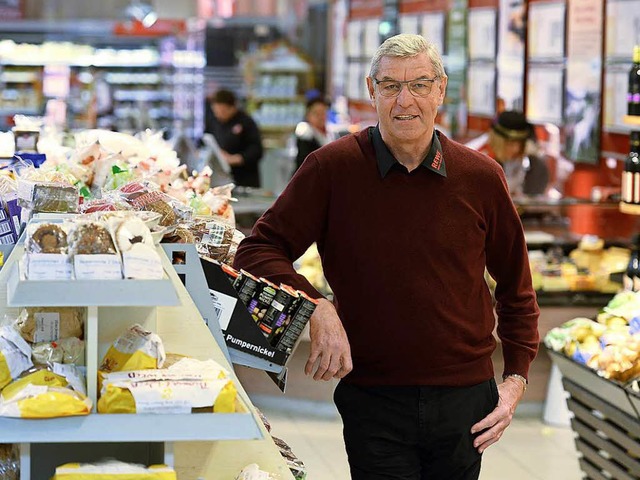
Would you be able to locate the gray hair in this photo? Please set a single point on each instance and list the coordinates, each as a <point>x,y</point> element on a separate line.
<point>407,45</point>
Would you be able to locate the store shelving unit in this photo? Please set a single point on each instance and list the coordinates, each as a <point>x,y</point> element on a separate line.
<point>112,306</point>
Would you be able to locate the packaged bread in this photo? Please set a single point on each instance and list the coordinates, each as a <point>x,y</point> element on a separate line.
<point>39,377</point>
<point>9,463</point>
<point>65,351</point>
<point>187,386</point>
<point>49,238</point>
<point>91,238</point>
<point>135,349</point>
<point>40,196</point>
<point>35,401</point>
<point>112,469</point>
<point>47,324</point>
<point>15,355</point>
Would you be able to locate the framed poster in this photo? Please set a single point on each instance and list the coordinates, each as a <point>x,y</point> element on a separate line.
<point>481,26</point>
<point>432,28</point>
<point>583,88</point>
<point>545,87</point>
<point>510,65</point>
<point>623,28</point>
<point>615,98</point>
<point>481,86</point>
<point>546,31</point>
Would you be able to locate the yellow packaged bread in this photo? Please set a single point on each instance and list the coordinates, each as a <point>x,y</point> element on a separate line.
<point>168,397</point>
<point>136,349</point>
<point>113,470</point>
<point>15,355</point>
<point>37,401</point>
<point>43,378</point>
<point>187,385</point>
<point>48,324</point>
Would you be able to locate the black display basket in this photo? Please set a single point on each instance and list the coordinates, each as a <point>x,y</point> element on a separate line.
<point>605,420</point>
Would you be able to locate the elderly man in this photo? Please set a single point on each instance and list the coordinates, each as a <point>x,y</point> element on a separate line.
<point>406,221</point>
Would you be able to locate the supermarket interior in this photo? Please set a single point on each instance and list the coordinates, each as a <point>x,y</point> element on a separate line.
<point>185,284</point>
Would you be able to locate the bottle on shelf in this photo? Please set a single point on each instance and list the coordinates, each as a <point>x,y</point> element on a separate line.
<point>631,174</point>
<point>631,278</point>
<point>633,96</point>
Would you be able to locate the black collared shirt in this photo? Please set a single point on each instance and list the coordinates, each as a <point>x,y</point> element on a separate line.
<point>434,160</point>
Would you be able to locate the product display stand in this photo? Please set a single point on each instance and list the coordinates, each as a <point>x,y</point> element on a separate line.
<point>165,307</point>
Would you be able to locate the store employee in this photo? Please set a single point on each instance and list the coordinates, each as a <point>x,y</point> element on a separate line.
<point>238,137</point>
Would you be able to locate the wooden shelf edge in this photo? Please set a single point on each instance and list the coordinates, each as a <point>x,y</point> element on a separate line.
<point>629,208</point>
<point>632,120</point>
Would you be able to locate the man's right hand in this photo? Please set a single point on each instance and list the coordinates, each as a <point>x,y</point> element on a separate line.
<point>329,344</point>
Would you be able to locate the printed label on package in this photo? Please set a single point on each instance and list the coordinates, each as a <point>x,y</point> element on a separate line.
<point>47,327</point>
<point>97,267</point>
<point>48,266</point>
<point>147,267</point>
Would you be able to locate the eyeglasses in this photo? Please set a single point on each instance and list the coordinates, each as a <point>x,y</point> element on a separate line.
<point>420,87</point>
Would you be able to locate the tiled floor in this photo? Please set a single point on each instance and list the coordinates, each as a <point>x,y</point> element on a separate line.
<point>529,450</point>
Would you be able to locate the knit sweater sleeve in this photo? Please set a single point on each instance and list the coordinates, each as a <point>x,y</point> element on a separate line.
<point>508,264</point>
<point>288,228</point>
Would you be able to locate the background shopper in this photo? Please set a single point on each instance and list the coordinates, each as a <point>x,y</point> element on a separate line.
<point>311,134</point>
<point>406,221</point>
<point>238,136</point>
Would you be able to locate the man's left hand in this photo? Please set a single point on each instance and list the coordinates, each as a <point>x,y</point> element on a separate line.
<point>509,394</point>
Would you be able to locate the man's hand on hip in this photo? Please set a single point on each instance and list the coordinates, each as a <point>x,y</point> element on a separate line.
<point>329,344</point>
<point>509,392</point>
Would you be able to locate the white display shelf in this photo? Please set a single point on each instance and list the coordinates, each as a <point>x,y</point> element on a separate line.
<point>113,293</point>
<point>131,428</point>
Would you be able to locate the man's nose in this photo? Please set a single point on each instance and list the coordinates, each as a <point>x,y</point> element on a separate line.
<point>404,97</point>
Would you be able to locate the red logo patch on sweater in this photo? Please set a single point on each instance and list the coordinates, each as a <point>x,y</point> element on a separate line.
<point>437,161</point>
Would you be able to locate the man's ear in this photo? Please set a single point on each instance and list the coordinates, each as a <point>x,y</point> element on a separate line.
<point>371,90</point>
<point>443,89</point>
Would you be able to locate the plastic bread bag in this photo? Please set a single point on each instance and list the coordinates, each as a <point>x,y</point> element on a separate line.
<point>135,349</point>
<point>111,470</point>
<point>167,396</point>
<point>90,238</point>
<point>172,212</point>
<point>40,377</point>
<point>48,324</point>
<point>66,351</point>
<point>34,401</point>
<point>44,196</point>
<point>297,468</point>
<point>253,472</point>
<point>103,171</point>
<point>9,462</point>
<point>15,355</point>
<point>109,202</point>
<point>49,238</point>
<point>215,239</point>
<point>186,385</point>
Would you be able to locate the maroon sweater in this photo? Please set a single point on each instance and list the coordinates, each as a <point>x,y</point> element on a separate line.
<point>405,256</point>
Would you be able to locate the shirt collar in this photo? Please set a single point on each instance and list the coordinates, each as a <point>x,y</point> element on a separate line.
<point>434,160</point>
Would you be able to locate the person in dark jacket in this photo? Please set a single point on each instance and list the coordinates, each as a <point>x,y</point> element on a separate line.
<point>311,134</point>
<point>238,136</point>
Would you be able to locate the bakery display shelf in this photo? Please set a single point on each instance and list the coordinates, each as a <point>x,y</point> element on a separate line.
<point>113,293</point>
<point>131,428</point>
<point>632,120</point>
<point>573,298</point>
<point>629,208</point>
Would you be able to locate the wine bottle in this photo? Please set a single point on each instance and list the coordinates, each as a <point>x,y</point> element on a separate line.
<point>633,96</point>
<point>630,168</point>
<point>631,279</point>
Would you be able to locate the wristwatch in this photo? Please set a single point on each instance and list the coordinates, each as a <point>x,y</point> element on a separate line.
<point>519,377</point>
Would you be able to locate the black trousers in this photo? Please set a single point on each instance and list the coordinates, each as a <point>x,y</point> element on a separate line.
<point>413,433</point>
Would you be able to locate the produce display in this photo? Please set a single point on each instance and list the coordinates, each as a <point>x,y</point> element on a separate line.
<point>610,345</point>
